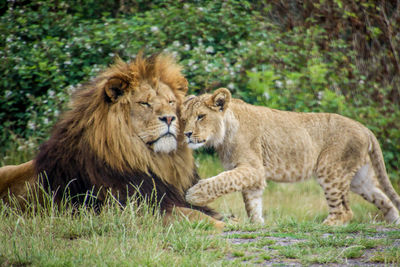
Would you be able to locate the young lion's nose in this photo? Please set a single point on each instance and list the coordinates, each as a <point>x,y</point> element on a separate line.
<point>188,134</point>
<point>167,119</point>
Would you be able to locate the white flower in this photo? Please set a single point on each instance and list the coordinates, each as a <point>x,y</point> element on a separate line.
<point>31,144</point>
<point>187,47</point>
<point>231,86</point>
<point>8,93</point>
<point>200,9</point>
<point>46,121</point>
<point>191,62</point>
<point>51,93</point>
<point>31,125</point>
<point>210,49</point>
<point>278,84</point>
<point>320,95</point>
<point>154,29</point>
<point>68,62</point>
<point>111,54</point>
<point>289,82</point>
<point>176,43</point>
<point>266,95</point>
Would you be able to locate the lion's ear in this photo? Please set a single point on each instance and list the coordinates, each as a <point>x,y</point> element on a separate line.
<point>220,99</point>
<point>115,87</point>
<point>183,86</point>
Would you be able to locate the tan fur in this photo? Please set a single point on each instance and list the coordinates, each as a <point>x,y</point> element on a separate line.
<point>14,179</point>
<point>256,144</point>
<point>121,119</point>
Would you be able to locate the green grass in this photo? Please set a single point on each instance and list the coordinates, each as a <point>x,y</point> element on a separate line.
<point>293,233</point>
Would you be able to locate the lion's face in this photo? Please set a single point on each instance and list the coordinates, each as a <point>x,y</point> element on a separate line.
<point>154,116</point>
<point>203,117</point>
<point>143,99</point>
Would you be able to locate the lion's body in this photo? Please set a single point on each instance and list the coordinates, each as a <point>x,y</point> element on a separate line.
<point>122,134</point>
<point>256,144</point>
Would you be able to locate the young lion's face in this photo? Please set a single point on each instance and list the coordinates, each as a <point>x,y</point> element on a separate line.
<point>203,118</point>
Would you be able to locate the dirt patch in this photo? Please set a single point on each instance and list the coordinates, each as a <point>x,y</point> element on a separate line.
<point>373,247</point>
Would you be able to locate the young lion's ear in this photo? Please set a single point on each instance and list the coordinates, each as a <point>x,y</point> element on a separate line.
<point>188,99</point>
<point>220,99</point>
<point>114,88</point>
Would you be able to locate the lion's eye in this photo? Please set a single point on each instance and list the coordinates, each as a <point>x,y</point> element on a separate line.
<point>200,117</point>
<point>171,102</point>
<point>144,104</point>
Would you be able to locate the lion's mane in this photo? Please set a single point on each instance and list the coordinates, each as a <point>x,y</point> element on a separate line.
<point>90,148</point>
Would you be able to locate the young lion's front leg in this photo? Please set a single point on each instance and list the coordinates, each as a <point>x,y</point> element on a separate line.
<point>253,203</point>
<point>238,179</point>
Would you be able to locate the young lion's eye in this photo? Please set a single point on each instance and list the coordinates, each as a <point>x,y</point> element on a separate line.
<point>171,102</point>
<point>200,117</point>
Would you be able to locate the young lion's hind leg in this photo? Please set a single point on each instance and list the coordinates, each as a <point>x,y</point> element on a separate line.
<point>336,189</point>
<point>253,202</point>
<point>365,184</point>
<point>348,213</point>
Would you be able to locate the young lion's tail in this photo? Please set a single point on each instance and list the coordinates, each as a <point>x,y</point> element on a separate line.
<point>375,153</point>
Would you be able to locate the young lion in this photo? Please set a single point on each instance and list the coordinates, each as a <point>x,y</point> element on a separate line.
<point>257,143</point>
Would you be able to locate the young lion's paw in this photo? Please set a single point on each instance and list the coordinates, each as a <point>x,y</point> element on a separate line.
<point>333,221</point>
<point>196,195</point>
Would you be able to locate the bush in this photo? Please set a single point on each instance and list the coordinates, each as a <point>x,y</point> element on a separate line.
<point>295,60</point>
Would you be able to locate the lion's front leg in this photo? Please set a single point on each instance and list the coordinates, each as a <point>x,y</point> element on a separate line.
<point>238,179</point>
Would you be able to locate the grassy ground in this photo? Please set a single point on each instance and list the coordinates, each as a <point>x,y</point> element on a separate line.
<point>292,234</point>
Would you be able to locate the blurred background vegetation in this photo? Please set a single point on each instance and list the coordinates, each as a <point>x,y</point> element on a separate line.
<point>339,56</point>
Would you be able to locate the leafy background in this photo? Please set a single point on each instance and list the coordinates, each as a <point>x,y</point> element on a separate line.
<point>339,56</point>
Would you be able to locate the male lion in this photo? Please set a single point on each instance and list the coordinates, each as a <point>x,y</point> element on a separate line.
<point>258,143</point>
<point>122,134</point>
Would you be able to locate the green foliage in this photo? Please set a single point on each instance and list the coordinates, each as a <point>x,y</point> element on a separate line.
<point>282,54</point>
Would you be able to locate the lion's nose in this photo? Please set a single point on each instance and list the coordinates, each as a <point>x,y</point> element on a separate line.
<point>188,134</point>
<point>167,119</point>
